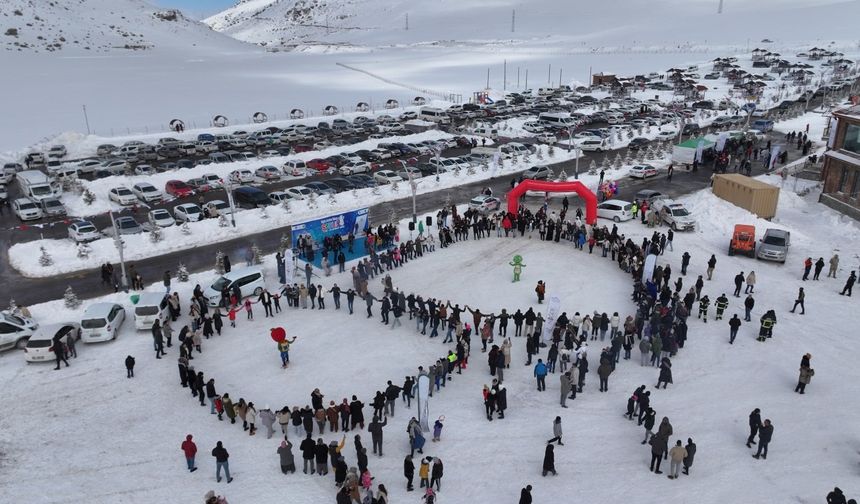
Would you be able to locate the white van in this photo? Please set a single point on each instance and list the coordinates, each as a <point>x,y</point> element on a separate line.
<point>250,281</point>
<point>295,167</point>
<point>151,306</point>
<point>101,322</point>
<point>36,185</point>
<point>557,120</point>
<point>491,133</point>
<point>432,114</point>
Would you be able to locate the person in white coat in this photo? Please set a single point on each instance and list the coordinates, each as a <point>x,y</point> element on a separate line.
<point>750,283</point>
<point>267,417</point>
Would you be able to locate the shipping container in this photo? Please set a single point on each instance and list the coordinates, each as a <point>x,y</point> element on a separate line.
<point>750,194</point>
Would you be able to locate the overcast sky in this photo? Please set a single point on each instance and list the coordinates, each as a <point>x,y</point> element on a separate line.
<point>197,8</point>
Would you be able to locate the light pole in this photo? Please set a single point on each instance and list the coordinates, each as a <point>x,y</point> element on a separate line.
<point>437,150</point>
<point>576,166</point>
<point>413,186</point>
<point>119,246</point>
<point>228,187</point>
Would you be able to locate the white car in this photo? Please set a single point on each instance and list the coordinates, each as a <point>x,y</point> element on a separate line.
<point>408,115</point>
<point>674,214</point>
<point>299,192</point>
<point>89,165</point>
<point>485,203</point>
<point>616,210</point>
<point>354,167</point>
<point>101,322</point>
<point>144,169</point>
<point>443,164</point>
<point>547,138</point>
<point>122,196</point>
<point>187,212</point>
<point>386,177</point>
<point>533,127</point>
<point>206,147</point>
<point>268,173</point>
<point>269,153</point>
<point>40,346</point>
<point>147,192</point>
<point>160,218</point>
<point>83,231</point>
<point>57,151</point>
<point>26,209</point>
<point>666,135</point>
<point>15,330</point>
<point>217,207</point>
<point>593,145</point>
<point>278,197</point>
<point>643,171</point>
<point>4,193</point>
<point>212,180</point>
<point>242,176</point>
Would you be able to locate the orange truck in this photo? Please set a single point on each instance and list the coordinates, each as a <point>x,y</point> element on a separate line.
<point>743,240</point>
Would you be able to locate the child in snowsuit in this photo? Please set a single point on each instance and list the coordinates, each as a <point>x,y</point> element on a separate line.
<point>437,430</point>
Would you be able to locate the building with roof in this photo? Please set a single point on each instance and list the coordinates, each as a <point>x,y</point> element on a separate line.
<point>841,172</point>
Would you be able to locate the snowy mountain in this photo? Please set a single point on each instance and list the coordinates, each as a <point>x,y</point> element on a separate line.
<point>630,22</point>
<point>97,26</point>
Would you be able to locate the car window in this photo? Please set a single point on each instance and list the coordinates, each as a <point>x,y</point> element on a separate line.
<point>774,240</point>
<point>93,323</point>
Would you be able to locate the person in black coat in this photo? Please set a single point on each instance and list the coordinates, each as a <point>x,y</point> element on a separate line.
<point>436,474</point>
<point>308,448</point>
<point>755,424</point>
<point>836,496</point>
<point>129,368</point>
<point>549,461</point>
<point>764,435</point>
<point>355,409</point>
<point>361,460</point>
<point>340,470</point>
<point>665,373</point>
<point>408,472</point>
<point>321,456</point>
<point>199,384</point>
<point>691,453</point>
<point>501,401</point>
<point>526,495</point>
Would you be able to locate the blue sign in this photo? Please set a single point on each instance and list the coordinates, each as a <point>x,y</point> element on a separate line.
<point>342,224</point>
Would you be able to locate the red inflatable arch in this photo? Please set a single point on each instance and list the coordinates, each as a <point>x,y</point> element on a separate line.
<point>539,185</point>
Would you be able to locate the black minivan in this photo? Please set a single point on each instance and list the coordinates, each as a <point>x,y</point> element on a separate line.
<point>250,197</point>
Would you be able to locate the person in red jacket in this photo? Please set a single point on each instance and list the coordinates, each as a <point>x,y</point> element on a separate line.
<point>190,450</point>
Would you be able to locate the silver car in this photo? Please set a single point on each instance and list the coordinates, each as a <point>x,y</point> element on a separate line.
<point>774,245</point>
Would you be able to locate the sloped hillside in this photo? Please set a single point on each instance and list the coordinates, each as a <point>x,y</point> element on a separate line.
<point>96,26</point>
<point>629,22</point>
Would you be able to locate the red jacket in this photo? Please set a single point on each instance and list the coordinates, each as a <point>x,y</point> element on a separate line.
<point>189,447</point>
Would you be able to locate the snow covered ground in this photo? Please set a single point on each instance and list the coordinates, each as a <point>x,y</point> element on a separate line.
<point>135,426</point>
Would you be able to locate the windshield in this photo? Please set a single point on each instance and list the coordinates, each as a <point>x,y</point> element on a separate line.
<point>147,189</point>
<point>127,224</point>
<point>774,240</point>
<point>38,343</point>
<point>27,206</point>
<point>219,284</point>
<point>161,214</point>
<point>680,212</point>
<point>93,323</point>
<point>145,310</point>
<point>53,203</point>
<point>123,192</point>
<point>192,210</point>
<point>40,190</point>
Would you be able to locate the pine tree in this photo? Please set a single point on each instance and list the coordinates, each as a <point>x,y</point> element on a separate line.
<point>45,258</point>
<point>332,199</point>
<point>618,162</point>
<point>185,228</point>
<point>258,254</point>
<point>539,153</point>
<point>395,186</point>
<point>88,197</point>
<point>70,299</point>
<point>219,263</point>
<point>355,193</point>
<point>592,167</point>
<point>562,176</point>
<point>182,273</point>
<point>551,150</point>
<point>485,164</point>
<point>392,217</point>
<point>13,306</point>
<point>155,235</point>
<point>285,204</point>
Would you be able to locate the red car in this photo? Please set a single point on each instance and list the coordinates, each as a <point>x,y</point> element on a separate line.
<point>320,165</point>
<point>178,189</point>
<point>303,148</point>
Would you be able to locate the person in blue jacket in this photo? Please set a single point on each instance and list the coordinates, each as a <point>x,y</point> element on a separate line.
<point>540,374</point>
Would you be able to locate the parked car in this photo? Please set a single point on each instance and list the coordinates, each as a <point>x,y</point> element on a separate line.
<point>299,192</point>
<point>15,330</point>
<point>52,207</point>
<point>26,209</point>
<point>187,212</point>
<point>178,189</point>
<point>126,225</point>
<point>320,165</point>
<point>83,231</point>
<point>408,172</point>
<point>268,173</point>
<point>121,195</point>
<point>387,177</point>
<point>743,240</point>
<point>690,129</point>
<point>213,180</point>
<point>362,180</point>
<point>57,151</point>
<point>160,217</point>
<point>643,171</point>
<point>278,197</point>
<point>774,245</point>
<point>666,135</point>
<point>593,145</point>
<point>242,176</point>
<point>320,188</point>
<point>217,207</point>
<point>147,192</point>
<point>101,322</point>
<point>485,204</point>
<point>250,197</point>
<point>199,185</point>
<point>675,214</point>
<point>616,210</point>
<point>354,167</point>
<point>649,195</point>
<point>249,281</point>
<point>40,346</point>
<point>340,184</point>
<point>637,143</point>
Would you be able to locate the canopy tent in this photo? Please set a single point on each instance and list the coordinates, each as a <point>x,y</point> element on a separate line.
<point>685,152</point>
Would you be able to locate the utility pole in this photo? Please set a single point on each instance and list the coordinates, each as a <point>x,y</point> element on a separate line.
<point>505,76</point>
<point>119,246</point>
<point>513,21</point>
<point>559,76</point>
<point>548,75</point>
<point>488,78</point>
<point>407,21</point>
<point>527,78</point>
<point>518,77</point>
<point>720,8</point>
<point>86,119</point>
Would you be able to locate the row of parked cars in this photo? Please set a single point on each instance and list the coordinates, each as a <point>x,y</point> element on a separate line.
<point>102,321</point>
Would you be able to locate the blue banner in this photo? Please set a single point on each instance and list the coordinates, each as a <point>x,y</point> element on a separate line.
<point>342,224</point>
